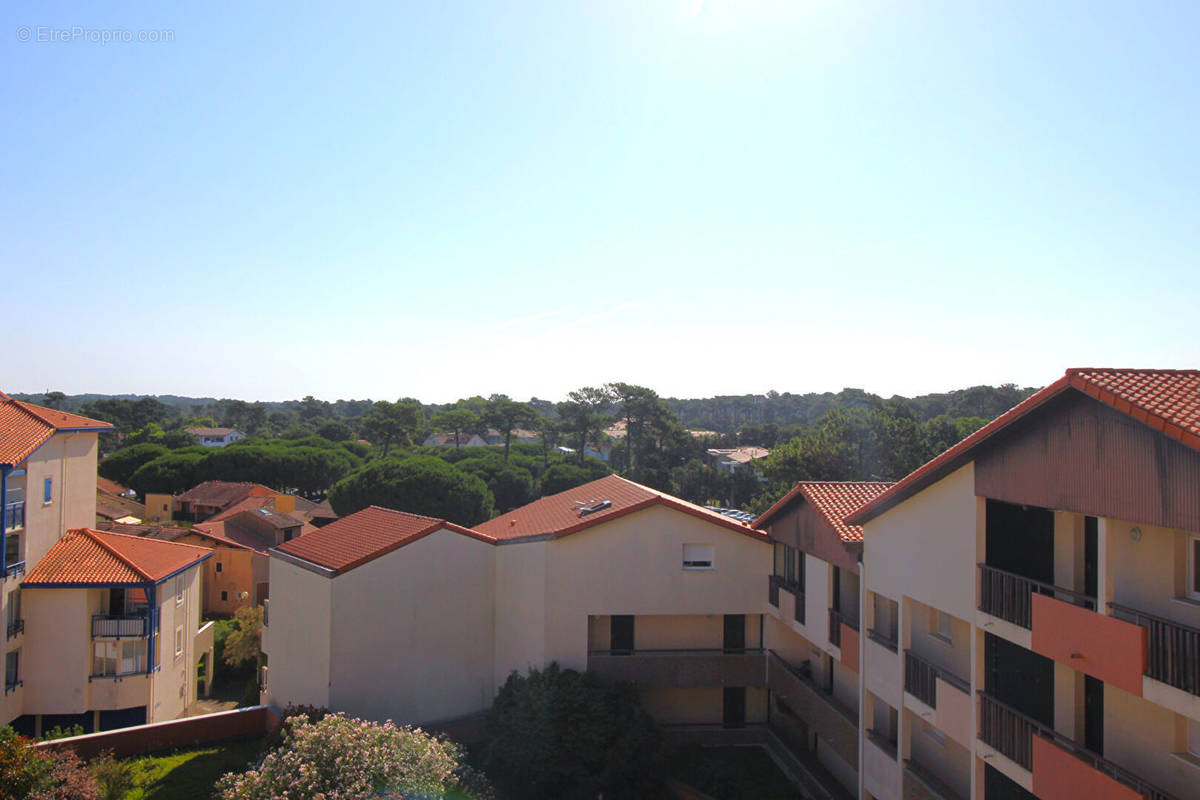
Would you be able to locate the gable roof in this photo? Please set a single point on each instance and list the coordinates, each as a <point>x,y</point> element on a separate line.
<point>211,431</point>
<point>565,513</point>
<point>833,500</point>
<point>363,536</point>
<point>223,493</point>
<point>24,427</point>
<point>1167,400</point>
<point>86,556</point>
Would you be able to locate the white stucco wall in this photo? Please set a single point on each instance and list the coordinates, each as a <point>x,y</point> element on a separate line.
<point>412,632</point>
<point>299,656</point>
<point>926,547</point>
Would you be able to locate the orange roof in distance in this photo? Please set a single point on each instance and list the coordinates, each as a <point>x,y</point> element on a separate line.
<point>590,504</point>
<point>89,556</point>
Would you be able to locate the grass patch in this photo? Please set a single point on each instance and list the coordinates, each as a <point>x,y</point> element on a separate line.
<point>731,773</point>
<point>190,773</point>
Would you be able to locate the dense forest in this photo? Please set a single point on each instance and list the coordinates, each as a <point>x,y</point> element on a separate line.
<point>358,452</point>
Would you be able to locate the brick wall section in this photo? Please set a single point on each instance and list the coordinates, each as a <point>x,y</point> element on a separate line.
<point>244,723</point>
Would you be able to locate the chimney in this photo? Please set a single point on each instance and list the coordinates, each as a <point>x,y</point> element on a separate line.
<point>285,503</point>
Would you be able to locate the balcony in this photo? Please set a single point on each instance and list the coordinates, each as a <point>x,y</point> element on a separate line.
<point>678,669</point>
<point>15,629</point>
<point>824,713</point>
<point>921,784</point>
<point>1173,650</point>
<point>12,687</point>
<point>836,620</point>
<point>1061,768</point>
<point>921,677</point>
<point>883,640</point>
<point>13,571</point>
<point>1010,596</point>
<point>120,626</point>
<point>14,515</point>
<point>773,584</point>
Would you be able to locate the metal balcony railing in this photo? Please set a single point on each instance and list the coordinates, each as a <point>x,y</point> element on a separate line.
<point>15,629</point>
<point>1009,596</point>
<point>882,742</point>
<point>14,515</point>
<point>920,679</point>
<point>13,570</point>
<point>120,626</point>
<point>882,639</point>
<point>1174,649</point>
<point>773,584</point>
<point>12,687</point>
<point>1011,732</point>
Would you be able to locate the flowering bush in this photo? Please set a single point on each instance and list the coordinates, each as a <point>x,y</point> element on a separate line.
<point>27,773</point>
<point>342,758</point>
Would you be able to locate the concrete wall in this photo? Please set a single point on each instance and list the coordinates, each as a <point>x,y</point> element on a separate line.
<point>520,603</point>
<point>1143,737</point>
<point>69,460</point>
<point>299,639</point>
<point>56,656</point>
<point>700,706</point>
<point>412,632</point>
<point>174,683</point>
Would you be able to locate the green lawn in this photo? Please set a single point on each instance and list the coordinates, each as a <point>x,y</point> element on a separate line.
<point>731,773</point>
<point>190,773</point>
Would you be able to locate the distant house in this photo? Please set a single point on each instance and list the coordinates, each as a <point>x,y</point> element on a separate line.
<point>519,436</point>
<point>114,503</point>
<point>216,437</point>
<point>733,459</point>
<point>455,440</point>
<point>211,497</point>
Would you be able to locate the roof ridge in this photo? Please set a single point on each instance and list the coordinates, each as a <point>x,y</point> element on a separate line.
<point>91,534</point>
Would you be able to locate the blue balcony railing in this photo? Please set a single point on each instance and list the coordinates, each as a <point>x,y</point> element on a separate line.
<point>119,626</point>
<point>14,515</point>
<point>15,629</point>
<point>13,570</point>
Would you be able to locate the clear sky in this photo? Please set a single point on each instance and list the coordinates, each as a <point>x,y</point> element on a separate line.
<point>440,199</point>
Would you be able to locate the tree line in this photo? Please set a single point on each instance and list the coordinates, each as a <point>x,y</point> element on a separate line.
<point>374,455</point>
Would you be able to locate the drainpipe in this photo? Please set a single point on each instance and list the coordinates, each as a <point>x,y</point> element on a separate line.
<point>4,470</point>
<point>152,599</point>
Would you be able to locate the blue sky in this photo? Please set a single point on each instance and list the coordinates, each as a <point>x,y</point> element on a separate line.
<point>443,199</point>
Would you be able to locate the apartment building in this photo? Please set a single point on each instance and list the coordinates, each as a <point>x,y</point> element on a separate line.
<point>813,622</point>
<point>1040,587</point>
<point>387,614</point>
<point>48,488</point>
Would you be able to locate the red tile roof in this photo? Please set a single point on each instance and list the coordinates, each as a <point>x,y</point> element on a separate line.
<point>100,557</point>
<point>24,427</point>
<point>563,513</point>
<point>1167,400</point>
<point>366,535</point>
<point>833,500</point>
<point>221,494</point>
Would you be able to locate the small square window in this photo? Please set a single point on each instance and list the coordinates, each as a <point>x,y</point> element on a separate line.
<point>697,556</point>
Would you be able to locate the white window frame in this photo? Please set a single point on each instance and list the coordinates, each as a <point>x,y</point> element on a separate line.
<point>1193,579</point>
<point>179,590</point>
<point>178,641</point>
<point>697,561</point>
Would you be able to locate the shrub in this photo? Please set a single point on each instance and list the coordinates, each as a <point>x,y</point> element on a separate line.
<point>341,758</point>
<point>115,777</point>
<point>419,485</point>
<point>27,773</point>
<point>561,734</point>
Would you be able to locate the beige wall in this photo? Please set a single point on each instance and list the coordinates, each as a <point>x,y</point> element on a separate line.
<point>69,460</point>
<point>56,656</point>
<point>1143,737</point>
<point>947,759</point>
<point>925,547</point>
<point>520,620</point>
<point>299,641</point>
<point>158,507</point>
<point>673,631</point>
<point>412,632</point>
<point>175,683</point>
<point>700,706</point>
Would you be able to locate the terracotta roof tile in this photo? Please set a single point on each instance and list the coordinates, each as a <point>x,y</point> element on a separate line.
<point>101,557</point>
<point>221,494</point>
<point>565,513</point>
<point>366,535</point>
<point>833,500</point>
<point>24,427</point>
<point>1167,400</point>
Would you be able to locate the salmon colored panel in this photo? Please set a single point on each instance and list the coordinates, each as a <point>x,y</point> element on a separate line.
<point>1104,647</point>
<point>849,647</point>
<point>1058,775</point>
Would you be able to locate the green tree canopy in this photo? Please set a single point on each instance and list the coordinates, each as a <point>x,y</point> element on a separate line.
<point>121,465</point>
<point>506,414</point>
<point>393,423</point>
<point>561,735</point>
<point>417,484</point>
<point>458,421</point>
